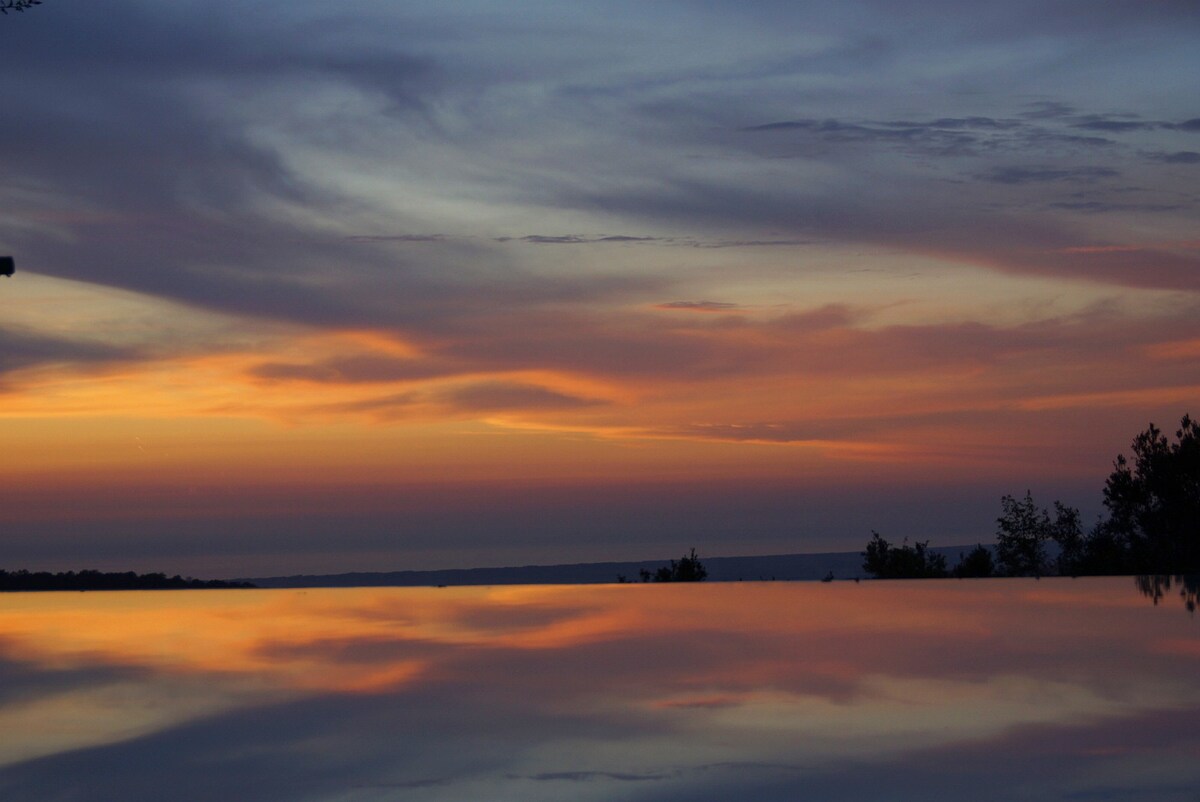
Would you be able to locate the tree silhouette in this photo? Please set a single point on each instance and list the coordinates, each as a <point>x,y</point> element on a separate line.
<point>885,561</point>
<point>1022,532</point>
<point>977,563</point>
<point>1154,503</point>
<point>1152,528</point>
<point>1023,529</point>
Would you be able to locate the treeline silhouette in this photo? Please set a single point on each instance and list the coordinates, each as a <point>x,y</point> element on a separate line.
<point>98,580</point>
<point>1152,525</point>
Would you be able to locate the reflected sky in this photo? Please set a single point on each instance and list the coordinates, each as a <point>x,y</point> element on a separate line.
<point>987,689</point>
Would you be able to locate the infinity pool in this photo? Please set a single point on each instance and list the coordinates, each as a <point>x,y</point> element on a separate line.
<point>971,689</point>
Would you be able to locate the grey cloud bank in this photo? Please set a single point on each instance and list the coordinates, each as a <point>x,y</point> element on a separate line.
<point>185,150</point>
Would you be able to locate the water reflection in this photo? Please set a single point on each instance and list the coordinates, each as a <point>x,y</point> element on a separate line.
<point>1158,586</point>
<point>984,689</point>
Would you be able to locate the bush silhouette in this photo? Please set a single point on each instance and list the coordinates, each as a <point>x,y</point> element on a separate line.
<point>687,569</point>
<point>976,564</point>
<point>885,561</point>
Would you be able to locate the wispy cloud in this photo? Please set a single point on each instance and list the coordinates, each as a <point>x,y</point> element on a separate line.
<point>356,369</point>
<point>1035,175</point>
<point>1176,157</point>
<point>397,238</point>
<point>503,395</point>
<point>22,350</point>
<point>698,306</point>
<point>1106,207</point>
<point>575,239</point>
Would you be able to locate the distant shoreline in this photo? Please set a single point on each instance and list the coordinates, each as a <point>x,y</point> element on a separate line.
<point>843,565</point>
<point>34,581</point>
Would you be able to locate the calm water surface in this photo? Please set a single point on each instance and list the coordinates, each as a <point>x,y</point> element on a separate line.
<point>973,690</point>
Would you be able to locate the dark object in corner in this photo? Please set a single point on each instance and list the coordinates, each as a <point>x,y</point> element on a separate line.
<point>7,266</point>
<point>17,5</point>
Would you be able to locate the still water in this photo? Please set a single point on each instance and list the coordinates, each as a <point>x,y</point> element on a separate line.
<point>973,690</point>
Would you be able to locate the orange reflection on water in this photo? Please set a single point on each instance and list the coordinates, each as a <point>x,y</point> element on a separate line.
<point>356,639</point>
<point>787,674</point>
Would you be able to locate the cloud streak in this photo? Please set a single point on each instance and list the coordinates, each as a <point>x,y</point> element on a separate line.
<point>23,350</point>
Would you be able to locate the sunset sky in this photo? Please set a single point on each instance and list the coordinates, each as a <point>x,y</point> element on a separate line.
<point>367,285</point>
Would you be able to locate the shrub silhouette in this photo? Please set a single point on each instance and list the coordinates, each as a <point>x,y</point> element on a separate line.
<point>885,561</point>
<point>687,569</point>
<point>976,564</point>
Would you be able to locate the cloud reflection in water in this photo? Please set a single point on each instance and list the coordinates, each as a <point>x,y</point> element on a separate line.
<point>980,689</point>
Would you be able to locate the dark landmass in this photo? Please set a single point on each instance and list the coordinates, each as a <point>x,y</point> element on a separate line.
<point>782,567</point>
<point>98,580</point>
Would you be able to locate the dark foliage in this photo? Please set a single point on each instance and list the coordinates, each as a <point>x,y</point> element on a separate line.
<point>1153,524</point>
<point>1024,529</point>
<point>1154,502</point>
<point>1103,552</point>
<point>1157,586</point>
<point>1152,528</point>
<point>97,580</point>
<point>687,569</point>
<point>885,561</point>
<point>976,564</point>
<point>17,5</point>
